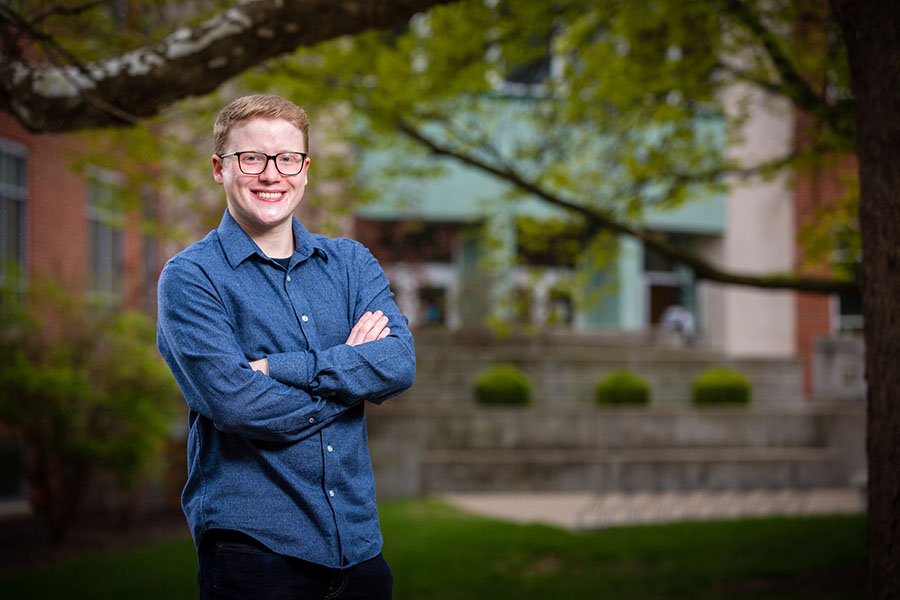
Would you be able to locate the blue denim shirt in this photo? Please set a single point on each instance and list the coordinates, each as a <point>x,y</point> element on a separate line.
<point>285,457</point>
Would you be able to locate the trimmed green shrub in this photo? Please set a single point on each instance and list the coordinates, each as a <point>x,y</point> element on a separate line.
<point>622,387</point>
<point>721,386</point>
<point>503,384</point>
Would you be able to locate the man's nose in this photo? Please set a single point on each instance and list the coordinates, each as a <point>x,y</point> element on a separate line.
<point>271,172</point>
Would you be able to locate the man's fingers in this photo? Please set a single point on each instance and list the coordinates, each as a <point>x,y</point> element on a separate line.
<point>355,333</point>
<point>377,327</point>
<point>370,327</point>
<point>261,365</point>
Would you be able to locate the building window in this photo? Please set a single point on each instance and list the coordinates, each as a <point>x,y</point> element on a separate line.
<point>525,75</point>
<point>433,305</point>
<point>12,470</point>
<point>523,305</point>
<point>13,194</point>
<point>669,285</point>
<point>105,237</point>
<point>560,308</point>
<point>150,263</point>
<point>850,312</point>
<point>550,242</point>
<point>412,241</point>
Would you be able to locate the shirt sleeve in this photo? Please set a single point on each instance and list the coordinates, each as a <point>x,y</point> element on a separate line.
<point>374,371</point>
<point>196,339</point>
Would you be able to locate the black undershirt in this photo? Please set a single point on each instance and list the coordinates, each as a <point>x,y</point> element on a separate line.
<point>284,262</point>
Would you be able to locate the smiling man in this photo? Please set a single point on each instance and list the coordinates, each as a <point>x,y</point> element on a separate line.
<point>277,338</point>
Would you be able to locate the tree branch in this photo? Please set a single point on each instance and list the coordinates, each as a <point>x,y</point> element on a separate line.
<point>68,11</point>
<point>604,220</point>
<point>138,84</point>
<point>838,117</point>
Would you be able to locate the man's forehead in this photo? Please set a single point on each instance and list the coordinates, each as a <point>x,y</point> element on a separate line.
<point>264,123</point>
<point>265,126</point>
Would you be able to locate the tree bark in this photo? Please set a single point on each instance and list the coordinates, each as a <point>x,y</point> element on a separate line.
<point>871,31</point>
<point>189,62</point>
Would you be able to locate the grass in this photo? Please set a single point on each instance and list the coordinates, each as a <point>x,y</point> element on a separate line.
<point>436,552</point>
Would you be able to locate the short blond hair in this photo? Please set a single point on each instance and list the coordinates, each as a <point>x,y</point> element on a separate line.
<point>266,106</point>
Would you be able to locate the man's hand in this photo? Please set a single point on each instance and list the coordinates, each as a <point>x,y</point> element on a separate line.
<point>260,365</point>
<point>370,327</point>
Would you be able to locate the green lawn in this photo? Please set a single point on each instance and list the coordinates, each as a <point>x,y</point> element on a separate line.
<point>436,552</point>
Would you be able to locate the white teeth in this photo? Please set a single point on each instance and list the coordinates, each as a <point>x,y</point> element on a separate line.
<point>269,195</point>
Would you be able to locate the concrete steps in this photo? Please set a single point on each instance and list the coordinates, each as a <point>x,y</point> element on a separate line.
<point>629,470</point>
<point>434,439</point>
<point>449,449</point>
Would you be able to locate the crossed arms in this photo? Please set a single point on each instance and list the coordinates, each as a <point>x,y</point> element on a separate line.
<point>304,390</point>
<point>370,327</point>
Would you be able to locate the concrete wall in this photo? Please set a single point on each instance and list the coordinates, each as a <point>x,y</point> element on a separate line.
<point>435,439</point>
<point>758,237</point>
<point>839,368</point>
<point>565,367</point>
<point>422,450</point>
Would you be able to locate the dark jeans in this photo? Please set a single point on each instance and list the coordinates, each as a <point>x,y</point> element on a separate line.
<point>234,565</point>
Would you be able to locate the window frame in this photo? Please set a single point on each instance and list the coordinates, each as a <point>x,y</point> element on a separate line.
<point>14,193</point>
<point>108,221</point>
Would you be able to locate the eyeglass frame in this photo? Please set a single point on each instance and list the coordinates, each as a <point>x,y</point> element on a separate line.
<point>269,157</point>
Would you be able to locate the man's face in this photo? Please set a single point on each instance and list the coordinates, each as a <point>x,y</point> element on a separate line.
<point>264,202</point>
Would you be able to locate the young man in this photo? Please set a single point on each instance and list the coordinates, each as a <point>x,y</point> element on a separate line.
<point>277,337</point>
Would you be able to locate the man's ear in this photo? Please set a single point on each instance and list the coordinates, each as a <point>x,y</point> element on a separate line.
<point>218,166</point>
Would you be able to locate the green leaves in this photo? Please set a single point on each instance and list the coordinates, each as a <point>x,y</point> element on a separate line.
<point>86,390</point>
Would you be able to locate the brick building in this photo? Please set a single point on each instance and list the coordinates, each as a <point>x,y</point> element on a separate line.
<point>67,226</point>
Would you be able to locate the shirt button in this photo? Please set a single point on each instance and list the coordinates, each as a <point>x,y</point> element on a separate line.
<point>331,493</point>
<point>312,420</point>
<point>288,277</point>
<point>329,448</point>
<point>304,318</point>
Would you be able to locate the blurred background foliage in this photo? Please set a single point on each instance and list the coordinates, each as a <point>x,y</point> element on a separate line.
<point>86,392</point>
<point>601,107</point>
<point>608,105</point>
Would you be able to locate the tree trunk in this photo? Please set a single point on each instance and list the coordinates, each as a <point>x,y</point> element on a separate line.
<point>57,480</point>
<point>871,31</point>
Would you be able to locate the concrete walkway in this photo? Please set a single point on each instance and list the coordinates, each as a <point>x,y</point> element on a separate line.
<point>585,510</point>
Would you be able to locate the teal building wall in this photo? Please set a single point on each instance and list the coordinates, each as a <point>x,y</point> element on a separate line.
<point>617,293</point>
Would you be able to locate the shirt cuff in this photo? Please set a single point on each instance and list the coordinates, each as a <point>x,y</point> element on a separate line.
<point>291,368</point>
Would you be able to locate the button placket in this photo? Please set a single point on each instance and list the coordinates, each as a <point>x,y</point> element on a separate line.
<point>301,309</point>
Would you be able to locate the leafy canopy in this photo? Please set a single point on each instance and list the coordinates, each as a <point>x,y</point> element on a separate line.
<point>615,106</point>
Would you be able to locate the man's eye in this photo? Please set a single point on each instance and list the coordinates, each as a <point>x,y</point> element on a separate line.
<point>251,158</point>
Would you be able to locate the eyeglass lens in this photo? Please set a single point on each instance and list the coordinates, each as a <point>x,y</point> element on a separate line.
<point>287,163</point>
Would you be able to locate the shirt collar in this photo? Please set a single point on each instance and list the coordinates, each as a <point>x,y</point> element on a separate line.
<point>238,246</point>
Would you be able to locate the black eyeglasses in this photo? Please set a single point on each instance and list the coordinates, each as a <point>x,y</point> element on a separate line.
<point>254,163</point>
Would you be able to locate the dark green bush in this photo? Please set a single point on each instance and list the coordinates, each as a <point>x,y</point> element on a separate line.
<point>504,385</point>
<point>84,389</point>
<point>622,387</point>
<point>721,386</point>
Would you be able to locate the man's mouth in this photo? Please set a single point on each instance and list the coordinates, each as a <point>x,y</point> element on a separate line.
<point>269,196</point>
